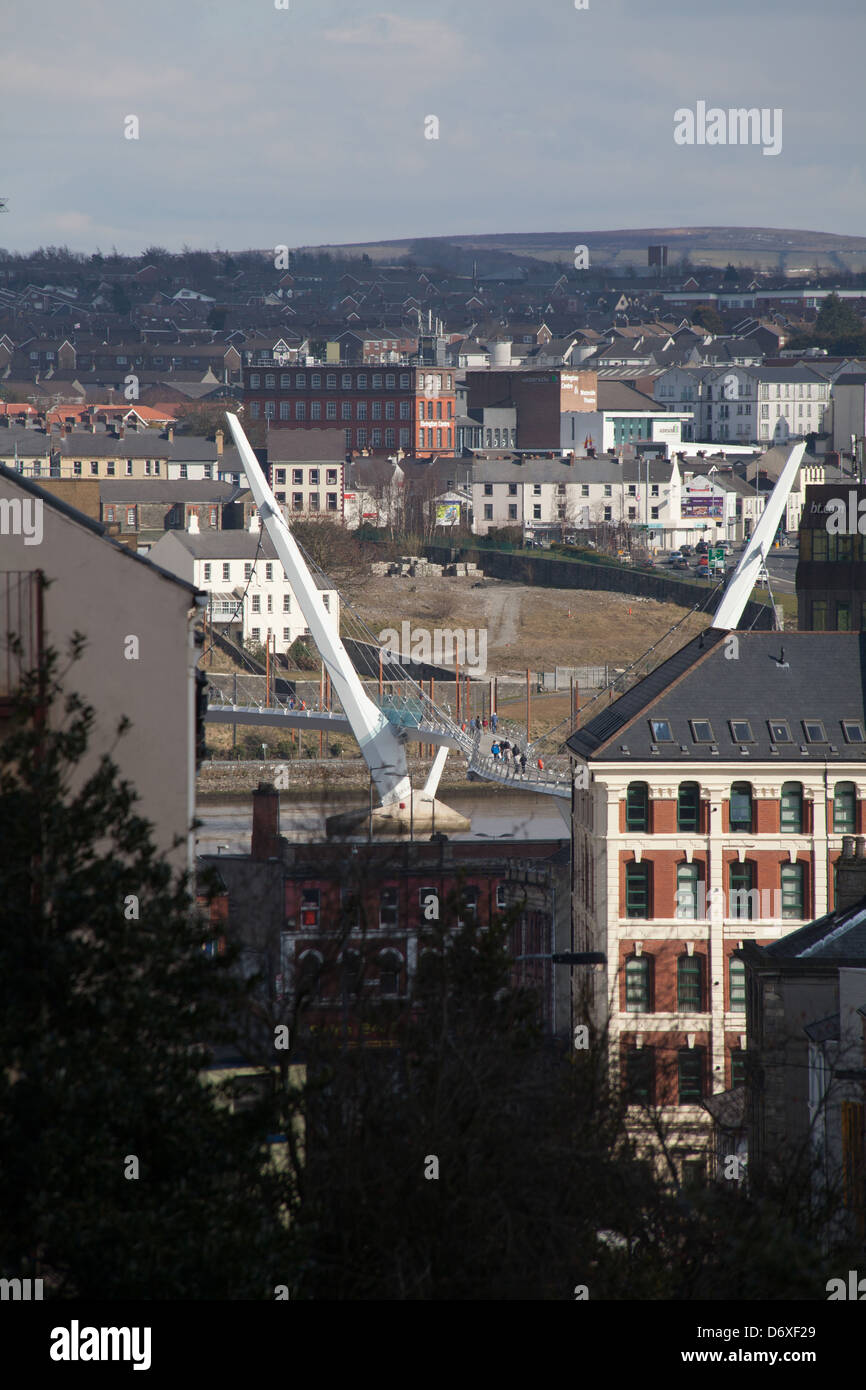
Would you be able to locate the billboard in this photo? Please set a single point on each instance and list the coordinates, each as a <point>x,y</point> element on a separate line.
<point>448,514</point>
<point>708,504</point>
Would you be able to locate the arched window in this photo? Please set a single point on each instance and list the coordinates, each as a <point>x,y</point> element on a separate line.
<point>791,816</point>
<point>637,806</point>
<point>689,807</point>
<point>310,974</point>
<point>390,968</point>
<point>741,807</point>
<point>844,808</point>
<point>350,972</point>
<point>690,984</point>
<point>737,985</point>
<point>638,985</point>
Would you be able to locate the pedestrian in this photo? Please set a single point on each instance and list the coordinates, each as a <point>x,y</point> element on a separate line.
<point>485,723</point>
<point>494,719</point>
<point>292,702</point>
<point>505,745</point>
<point>495,751</point>
<point>523,762</point>
<point>540,765</point>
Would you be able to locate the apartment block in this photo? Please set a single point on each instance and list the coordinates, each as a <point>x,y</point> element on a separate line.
<point>709,808</point>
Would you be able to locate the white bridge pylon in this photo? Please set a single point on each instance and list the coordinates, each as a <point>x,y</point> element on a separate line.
<point>381,733</point>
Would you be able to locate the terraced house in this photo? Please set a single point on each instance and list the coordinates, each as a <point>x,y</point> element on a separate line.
<point>710,804</point>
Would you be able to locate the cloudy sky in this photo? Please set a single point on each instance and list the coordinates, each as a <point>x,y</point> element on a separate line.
<point>261,126</point>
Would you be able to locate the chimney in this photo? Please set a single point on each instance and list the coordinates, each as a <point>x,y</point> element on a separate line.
<point>218,440</point>
<point>266,838</point>
<point>851,872</point>
<point>169,434</point>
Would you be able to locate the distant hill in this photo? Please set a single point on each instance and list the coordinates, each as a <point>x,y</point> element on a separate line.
<point>785,251</point>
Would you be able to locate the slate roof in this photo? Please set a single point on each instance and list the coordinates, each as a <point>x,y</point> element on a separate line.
<point>839,937</point>
<point>823,677</point>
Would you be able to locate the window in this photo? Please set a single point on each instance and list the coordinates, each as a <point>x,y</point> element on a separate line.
<point>488,511</point>
<point>741,894</point>
<point>512,489</point>
<point>853,731</point>
<point>297,475</point>
<point>376,410</point>
<point>690,1076</point>
<point>638,985</point>
<point>512,512</point>
<point>314,477</point>
<point>362,439</point>
<point>287,634</point>
<point>702,731</point>
<point>468,910</point>
<point>300,410</point>
<point>207,569</point>
<point>536,512</point>
<point>388,907</point>
<point>640,1076</point>
<point>331,477</point>
<point>792,891</point>
<point>255,380</point>
<point>331,381</point>
<point>741,731</point>
<point>350,973</point>
<point>488,489</point>
<point>227,571</point>
<point>76,468</point>
<point>737,985</point>
<point>314,501</point>
<point>608,513</point>
<point>94,468</point>
<point>819,615</point>
<point>843,617</point>
<point>689,807</point>
<point>330,410</point>
<point>315,410</point>
<point>346,381</point>
<point>844,808</point>
<point>738,1067</point>
<point>390,410</point>
<point>109,516</point>
<point>687,891</point>
<point>345,410</point>
<point>109,468</point>
<point>287,603</point>
<point>270,381</point>
<point>310,974</point>
<point>390,966</point>
<point>637,806</point>
<point>608,490</point>
<point>248,569</point>
<point>309,907</point>
<point>269,570</point>
<point>637,889</point>
<point>814,731</point>
<point>256,633</point>
<point>690,984</point>
<point>331,501</point>
<point>741,807</point>
<point>257,603</point>
<point>661,731</point>
<point>791,814</point>
<point>130,516</point>
<point>779,731</point>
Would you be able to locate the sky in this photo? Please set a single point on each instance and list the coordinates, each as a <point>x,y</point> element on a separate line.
<point>260,127</point>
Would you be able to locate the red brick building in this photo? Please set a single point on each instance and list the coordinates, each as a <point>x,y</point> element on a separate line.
<point>709,810</point>
<point>348,916</point>
<point>380,408</point>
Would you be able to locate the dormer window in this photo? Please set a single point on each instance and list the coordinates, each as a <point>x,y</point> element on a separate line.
<point>741,731</point>
<point>779,730</point>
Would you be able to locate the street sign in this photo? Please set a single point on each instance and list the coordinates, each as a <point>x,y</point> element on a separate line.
<point>718,554</point>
